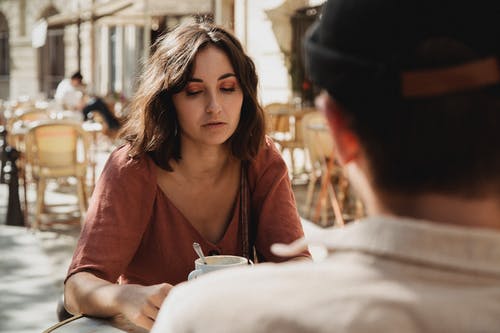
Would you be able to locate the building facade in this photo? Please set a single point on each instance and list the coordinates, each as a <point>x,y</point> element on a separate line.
<point>42,41</point>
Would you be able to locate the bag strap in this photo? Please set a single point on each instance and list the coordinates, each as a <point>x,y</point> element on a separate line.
<point>245,220</point>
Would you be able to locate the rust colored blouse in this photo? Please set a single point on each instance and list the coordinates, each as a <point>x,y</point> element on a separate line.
<point>134,234</point>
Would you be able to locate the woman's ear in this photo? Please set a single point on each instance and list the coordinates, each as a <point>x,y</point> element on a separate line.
<point>345,140</point>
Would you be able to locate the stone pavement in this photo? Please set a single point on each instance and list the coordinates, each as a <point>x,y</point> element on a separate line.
<point>28,284</point>
<point>33,264</point>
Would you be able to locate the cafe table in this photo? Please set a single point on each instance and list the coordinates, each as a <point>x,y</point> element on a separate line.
<point>83,324</point>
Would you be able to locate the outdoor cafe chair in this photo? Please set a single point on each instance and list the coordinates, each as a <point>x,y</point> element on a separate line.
<point>57,149</point>
<point>319,147</point>
<point>283,125</point>
<point>21,118</point>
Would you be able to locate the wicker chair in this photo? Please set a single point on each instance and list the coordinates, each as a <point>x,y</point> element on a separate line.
<point>319,146</point>
<point>283,123</point>
<point>57,149</point>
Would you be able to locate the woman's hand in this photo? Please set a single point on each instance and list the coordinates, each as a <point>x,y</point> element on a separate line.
<point>87,294</point>
<point>140,304</point>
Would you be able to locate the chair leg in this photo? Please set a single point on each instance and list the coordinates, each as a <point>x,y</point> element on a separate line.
<point>82,197</point>
<point>324,212</point>
<point>310,191</point>
<point>322,197</point>
<point>343,186</point>
<point>337,209</point>
<point>25,191</point>
<point>40,198</point>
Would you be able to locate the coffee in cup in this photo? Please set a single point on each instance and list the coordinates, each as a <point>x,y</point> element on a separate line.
<point>215,263</point>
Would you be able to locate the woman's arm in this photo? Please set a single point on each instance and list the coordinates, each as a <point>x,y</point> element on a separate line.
<point>85,293</point>
<point>273,204</point>
<point>117,217</point>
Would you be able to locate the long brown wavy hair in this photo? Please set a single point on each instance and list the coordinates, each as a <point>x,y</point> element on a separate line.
<point>151,126</point>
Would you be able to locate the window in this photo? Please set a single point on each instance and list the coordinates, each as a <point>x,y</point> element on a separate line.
<point>51,58</point>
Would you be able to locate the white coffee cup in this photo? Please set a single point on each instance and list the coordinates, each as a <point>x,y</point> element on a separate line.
<point>215,263</point>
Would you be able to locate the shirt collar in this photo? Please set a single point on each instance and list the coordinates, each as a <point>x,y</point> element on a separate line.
<point>475,250</point>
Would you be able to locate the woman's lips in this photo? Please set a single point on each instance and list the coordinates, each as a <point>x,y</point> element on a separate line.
<point>214,124</point>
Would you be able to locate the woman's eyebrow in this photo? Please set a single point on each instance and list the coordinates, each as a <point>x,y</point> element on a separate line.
<point>222,77</point>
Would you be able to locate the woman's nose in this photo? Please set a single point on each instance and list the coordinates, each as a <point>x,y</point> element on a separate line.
<point>213,104</point>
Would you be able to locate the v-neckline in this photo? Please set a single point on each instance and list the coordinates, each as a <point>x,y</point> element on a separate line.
<point>193,229</point>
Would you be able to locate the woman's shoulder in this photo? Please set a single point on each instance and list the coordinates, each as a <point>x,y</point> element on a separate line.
<point>268,153</point>
<point>268,159</point>
<point>122,163</point>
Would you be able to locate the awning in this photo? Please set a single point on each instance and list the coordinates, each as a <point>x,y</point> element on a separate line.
<point>94,12</point>
<point>63,19</point>
<point>136,13</point>
<point>110,7</point>
<point>120,12</point>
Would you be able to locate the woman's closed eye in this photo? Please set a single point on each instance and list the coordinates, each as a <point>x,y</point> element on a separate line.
<point>193,88</point>
<point>196,89</point>
<point>228,89</point>
<point>223,89</point>
<point>192,92</point>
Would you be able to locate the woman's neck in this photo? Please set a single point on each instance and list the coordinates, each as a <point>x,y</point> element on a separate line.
<point>201,163</point>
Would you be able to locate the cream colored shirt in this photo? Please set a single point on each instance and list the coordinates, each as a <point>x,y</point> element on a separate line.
<point>67,95</point>
<point>383,275</point>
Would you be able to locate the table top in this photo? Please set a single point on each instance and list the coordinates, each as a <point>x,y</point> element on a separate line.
<point>82,324</point>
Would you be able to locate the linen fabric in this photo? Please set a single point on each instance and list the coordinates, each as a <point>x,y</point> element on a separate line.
<point>134,234</point>
<point>383,274</point>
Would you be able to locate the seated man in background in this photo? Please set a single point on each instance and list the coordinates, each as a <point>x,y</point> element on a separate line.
<point>412,96</point>
<point>97,105</point>
<point>70,94</point>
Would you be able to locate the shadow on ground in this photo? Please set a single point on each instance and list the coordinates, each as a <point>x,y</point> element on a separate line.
<point>27,285</point>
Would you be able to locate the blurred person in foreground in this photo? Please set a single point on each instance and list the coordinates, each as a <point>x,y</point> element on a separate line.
<point>197,168</point>
<point>412,97</point>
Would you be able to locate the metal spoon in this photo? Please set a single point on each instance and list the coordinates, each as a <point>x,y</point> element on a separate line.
<point>199,252</point>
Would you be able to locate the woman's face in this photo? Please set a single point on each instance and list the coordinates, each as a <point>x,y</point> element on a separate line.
<point>209,107</point>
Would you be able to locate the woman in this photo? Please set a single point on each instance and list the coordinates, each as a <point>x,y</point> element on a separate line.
<point>197,168</point>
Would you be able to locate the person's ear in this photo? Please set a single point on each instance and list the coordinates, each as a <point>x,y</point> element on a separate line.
<point>345,140</point>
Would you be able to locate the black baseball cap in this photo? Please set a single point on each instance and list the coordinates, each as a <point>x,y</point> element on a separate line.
<point>363,49</point>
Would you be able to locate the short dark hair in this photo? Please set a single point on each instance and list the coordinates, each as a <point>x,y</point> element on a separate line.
<point>77,76</point>
<point>444,144</point>
<point>151,126</point>
<point>447,143</point>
